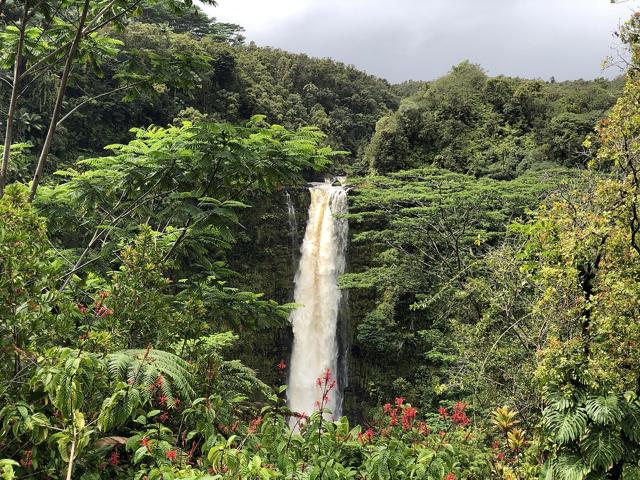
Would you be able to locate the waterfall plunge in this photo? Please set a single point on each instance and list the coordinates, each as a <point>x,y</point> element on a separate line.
<point>315,324</point>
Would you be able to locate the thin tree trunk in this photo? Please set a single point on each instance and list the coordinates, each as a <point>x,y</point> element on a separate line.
<point>110,92</point>
<point>17,67</point>
<point>46,147</point>
<point>72,454</point>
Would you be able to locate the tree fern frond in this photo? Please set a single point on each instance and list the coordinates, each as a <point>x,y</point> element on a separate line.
<point>238,378</point>
<point>144,367</point>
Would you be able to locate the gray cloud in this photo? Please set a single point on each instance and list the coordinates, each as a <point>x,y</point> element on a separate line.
<point>422,39</point>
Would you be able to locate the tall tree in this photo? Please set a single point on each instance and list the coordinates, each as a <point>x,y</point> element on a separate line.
<point>62,32</point>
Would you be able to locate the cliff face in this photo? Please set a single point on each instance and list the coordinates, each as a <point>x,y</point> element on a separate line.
<point>266,257</point>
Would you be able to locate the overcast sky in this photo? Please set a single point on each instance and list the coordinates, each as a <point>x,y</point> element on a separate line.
<point>422,39</point>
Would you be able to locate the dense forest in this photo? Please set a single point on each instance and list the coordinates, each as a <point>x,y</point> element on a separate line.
<point>156,184</point>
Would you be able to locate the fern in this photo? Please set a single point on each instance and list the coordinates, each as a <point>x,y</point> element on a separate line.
<point>144,368</point>
<point>237,378</point>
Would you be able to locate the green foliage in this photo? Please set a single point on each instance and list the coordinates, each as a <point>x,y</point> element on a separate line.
<point>496,126</point>
<point>427,281</point>
<point>194,21</point>
<point>169,61</point>
<point>144,368</point>
<point>582,254</point>
<point>186,182</point>
<point>122,319</point>
<point>568,426</point>
<point>32,314</point>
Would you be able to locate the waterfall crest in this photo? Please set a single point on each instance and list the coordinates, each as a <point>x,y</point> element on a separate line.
<point>315,324</point>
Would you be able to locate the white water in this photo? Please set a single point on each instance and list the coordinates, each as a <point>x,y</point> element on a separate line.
<point>315,324</point>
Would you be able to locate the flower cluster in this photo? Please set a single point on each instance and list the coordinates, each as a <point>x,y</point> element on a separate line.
<point>326,383</point>
<point>114,458</point>
<point>367,436</point>
<point>146,443</point>
<point>406,411</point>
<point>459,416</point>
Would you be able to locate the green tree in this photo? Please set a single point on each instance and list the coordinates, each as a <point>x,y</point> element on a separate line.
<point>48,33</point>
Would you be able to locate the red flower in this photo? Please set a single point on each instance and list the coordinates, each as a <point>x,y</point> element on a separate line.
<point>450,476</point>
<point>366,437</point>
<point>459,406</point>
<point>114,458</point>
<point>387,407</point>
<point>369,434</point>
<point>500,456</point>
<point>162,399</point>
<point>399,401</point>
<point>408,415</point>
<point>164,416</point>
<point>393,415</point>
<point>281,366</point>
<point>171,455</point>
<point>81,307</point>
<point>496,444</point>
<point>443,412</point>
<point>145,442</point>
<point>459,416</point>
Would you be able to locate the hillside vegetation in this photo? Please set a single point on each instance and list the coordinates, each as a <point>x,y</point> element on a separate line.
<point>147,258</point>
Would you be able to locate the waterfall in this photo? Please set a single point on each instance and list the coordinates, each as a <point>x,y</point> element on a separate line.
<point>315,324</point>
